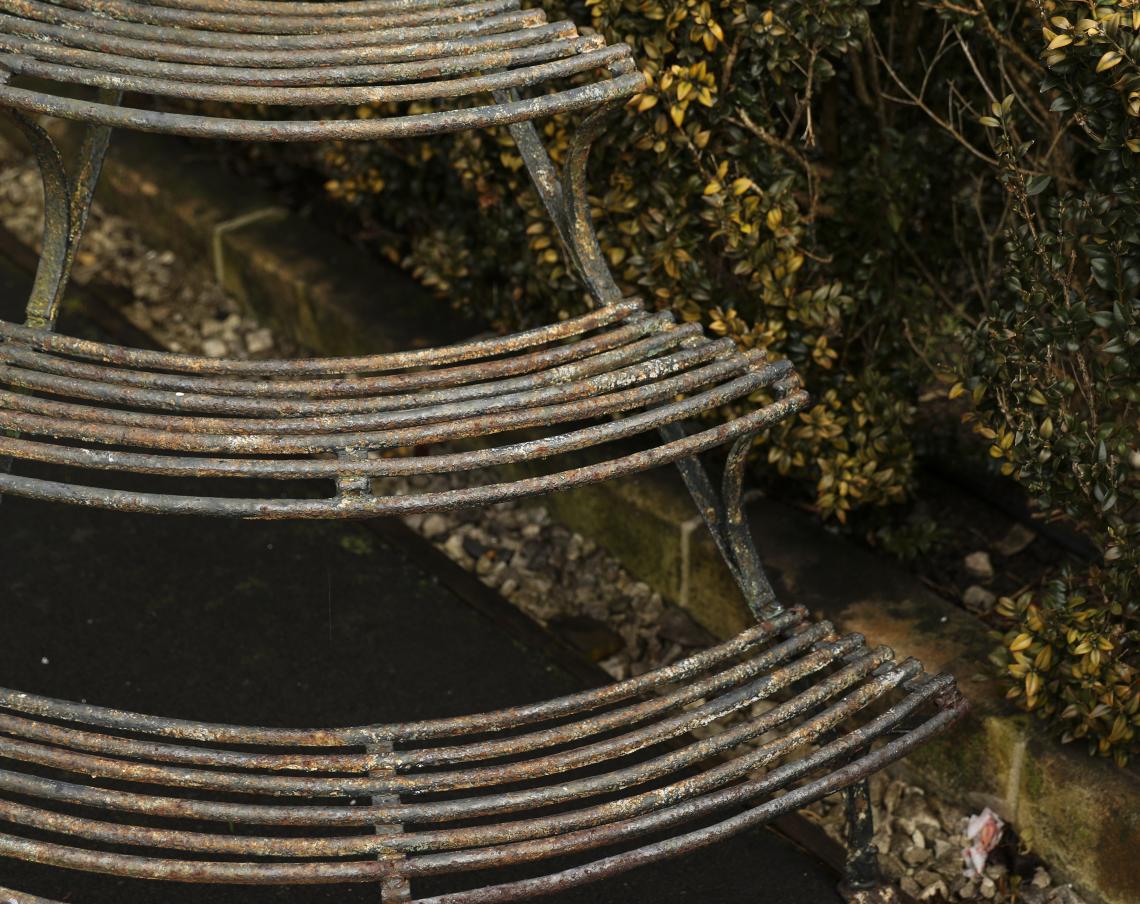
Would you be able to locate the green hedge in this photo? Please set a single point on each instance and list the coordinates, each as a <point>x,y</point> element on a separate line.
<point>911,200</point>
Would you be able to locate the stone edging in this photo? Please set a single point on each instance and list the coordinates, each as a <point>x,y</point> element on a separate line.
<point>1082,814</point>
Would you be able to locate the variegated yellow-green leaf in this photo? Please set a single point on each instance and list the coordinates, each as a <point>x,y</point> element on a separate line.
<point>1111,58</point>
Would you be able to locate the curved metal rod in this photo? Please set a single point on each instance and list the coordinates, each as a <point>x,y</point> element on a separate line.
<point>67,203</point>
<point>54,255</point>
<point>92,152</point>
<point>750,574</point>
<point>705,495</point>
<point>579,221</point>
<point>568,205</point>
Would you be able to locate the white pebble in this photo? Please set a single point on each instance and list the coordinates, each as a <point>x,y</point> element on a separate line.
<point>215,348</point>
<point>259,341</point>
<point>978,564</point>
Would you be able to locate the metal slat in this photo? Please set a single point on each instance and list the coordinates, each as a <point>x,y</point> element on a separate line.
<point>512,29</point>
<point>584,97</point>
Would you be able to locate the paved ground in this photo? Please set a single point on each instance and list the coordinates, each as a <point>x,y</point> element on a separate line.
<point>291,624</point>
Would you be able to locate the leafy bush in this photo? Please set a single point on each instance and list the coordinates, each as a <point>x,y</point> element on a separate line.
<point>1055,366</point>
<point>1069,662</point>
<point>903,199</point>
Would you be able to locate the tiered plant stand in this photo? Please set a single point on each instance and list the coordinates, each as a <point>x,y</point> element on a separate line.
<point>796,710</point>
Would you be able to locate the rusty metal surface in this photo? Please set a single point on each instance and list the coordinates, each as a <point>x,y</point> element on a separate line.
<point>195,802</point>
<point>451,55</point>
<point>103,408</point>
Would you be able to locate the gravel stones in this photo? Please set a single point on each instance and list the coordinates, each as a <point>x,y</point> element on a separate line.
<point>921,837</point>
<point>1016,540</point>
<point>168,300</point>
<point>561,579</point>
<point>978,599</point>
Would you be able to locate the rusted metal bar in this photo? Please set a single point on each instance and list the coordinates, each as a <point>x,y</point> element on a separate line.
<point>756,587</point>
<point>176,421</point>
<point>623,465</point>
<point>588,253</point>
<point>115,33</point>
<point>662,337</point>
<point>67,202</point>
<point>418,51</point>
<point>125,17</point>
<point>373,129</point>
<point>436,424</point>
<point>726,375</point>
<point>540,44</point>
<point>611,720</point>
<point>512,29</point>
<point>51,273</point>
<point>429,730</point>
<point>549,831</point>
<point>295,368</point>
<point>582,56</point>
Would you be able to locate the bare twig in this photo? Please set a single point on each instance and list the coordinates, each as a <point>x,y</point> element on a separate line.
<point>914,100</point>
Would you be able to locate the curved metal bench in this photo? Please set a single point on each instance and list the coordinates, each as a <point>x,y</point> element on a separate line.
<point>177,416</point>
<point>610,779</point>
<point>813,680</point>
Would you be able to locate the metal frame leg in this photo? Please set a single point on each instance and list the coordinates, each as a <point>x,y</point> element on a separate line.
<point>567,203</point>
<point>863,882</point>
<point>67,203</point>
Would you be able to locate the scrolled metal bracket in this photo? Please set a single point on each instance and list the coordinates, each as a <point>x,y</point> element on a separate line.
<point>723,512</point>
<point>67,203</point>
<point>564,195</point>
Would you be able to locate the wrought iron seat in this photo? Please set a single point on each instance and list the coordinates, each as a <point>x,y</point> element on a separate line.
<point>610,779</point>
<point>105,408</point>
<point>306,55</point>
<point>165,799</point>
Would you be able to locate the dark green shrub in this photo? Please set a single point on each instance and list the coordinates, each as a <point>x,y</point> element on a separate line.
<point>1055,365</point>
